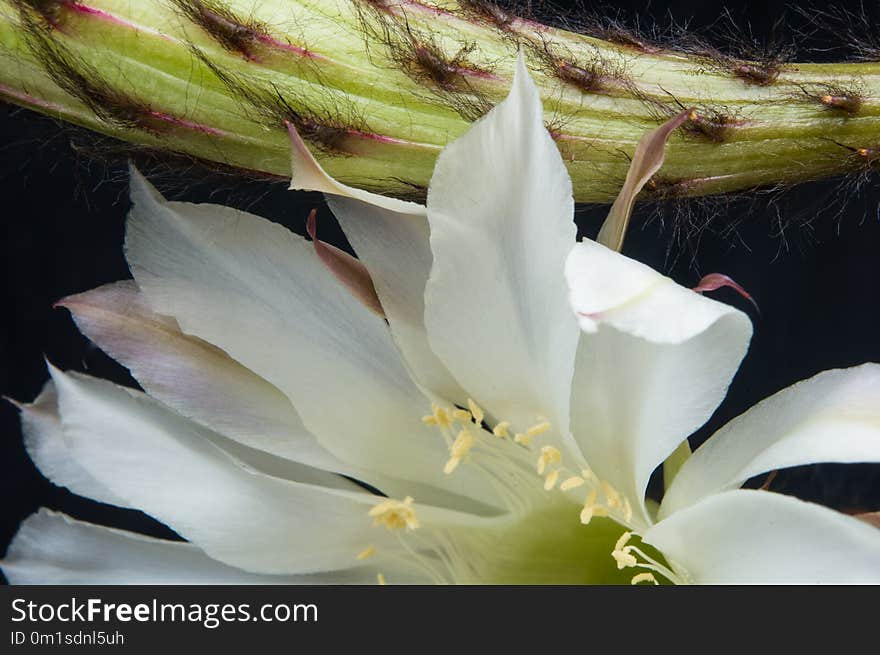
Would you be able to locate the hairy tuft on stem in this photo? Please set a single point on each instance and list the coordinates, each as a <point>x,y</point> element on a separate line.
<point>378,87</point>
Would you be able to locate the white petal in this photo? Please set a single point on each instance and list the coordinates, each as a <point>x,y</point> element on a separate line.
<point>307,175</point>
<point>197,379</point>
<point>500,210</point>
<point>832,417</point>
<point>41,427</point>
<point>607,288</point>
<point>394,247</point>
<point>759,537</point>
<point>258,291</point>
<point>644,383</point>
<point>168,467</point>
<point>51,548</point>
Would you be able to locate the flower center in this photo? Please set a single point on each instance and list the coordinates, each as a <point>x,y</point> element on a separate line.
<point>565,529</point>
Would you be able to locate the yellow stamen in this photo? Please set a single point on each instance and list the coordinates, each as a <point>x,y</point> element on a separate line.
<point>550,480</point>
<point>460,447</point>
<point>477,411</point>
<point>366,553</point>
<point>462,416</point>
<point>571,483</point>
<point>502,430</point>
<point>451,464</point>
<point>621,552</point>
<point>589,476</point>
<point>644,577</point>
<point>538,428</point>
<point>627,510</point>
<point>522,439</point>
<point>591,509</point>
<point>429,419</point>
<point>380,579</point>
<point>611,494</point>
<point>395,515</point>
<point>549,455</point>
<point>441,416</point>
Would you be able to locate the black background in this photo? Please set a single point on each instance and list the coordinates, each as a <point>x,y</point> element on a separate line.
<point>810,257</point>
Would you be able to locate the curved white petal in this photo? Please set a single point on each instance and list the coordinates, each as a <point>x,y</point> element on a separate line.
<point>394,247</point>
<point>654,362</point>
<point>759,537</point>
<point>258,291</point>
<point>193,377</point>
<point>308,175</point>
<point>43,440</point>
<point>832,417</point>
<point>500,211</point>
<point>53,549</point>
<point>168,467</point>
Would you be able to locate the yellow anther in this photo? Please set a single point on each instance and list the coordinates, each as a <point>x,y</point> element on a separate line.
<point>460,447</point>
<point>621,552</point>
<point>627,510</point>
<point>538,428</point>
<point>589,512</point>
<point>589,476</point>
<point>644,577</point>
<point>623,541</point>
<point>624,559</point>
<point>591,509</point>
<point>366,553</point>
<point>462,415</point>
<point>502,430</point>
<point>551,479</point>
<point>380,579</point>
<point>522,439</point>
<point>441,416</point>
<point>549,455</point>
<point>477,411</point>
<point>462,444</point>
<point>573,482</point>
<point>430,419</point>
<point>611,494</point>
<point>451,464</point>
<point>395,514</point>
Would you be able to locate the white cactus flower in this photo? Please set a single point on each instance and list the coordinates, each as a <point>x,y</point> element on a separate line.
<point>507,390</point>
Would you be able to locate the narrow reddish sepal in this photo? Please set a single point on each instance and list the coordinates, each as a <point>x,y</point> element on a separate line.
<point>715,281</point>
<point>345,268</point>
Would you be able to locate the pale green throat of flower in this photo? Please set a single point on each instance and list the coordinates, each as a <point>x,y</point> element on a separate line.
<point>570,527</point>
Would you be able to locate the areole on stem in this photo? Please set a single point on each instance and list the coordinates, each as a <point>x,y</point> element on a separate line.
<point>378,87</point>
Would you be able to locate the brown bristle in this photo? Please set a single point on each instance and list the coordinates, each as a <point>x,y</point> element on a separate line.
<point>711,125</point>
<point>51,11</point>
<point>325,128</point>
<point>759,74</point>
<point>223,26</point>
<point>488,11</point>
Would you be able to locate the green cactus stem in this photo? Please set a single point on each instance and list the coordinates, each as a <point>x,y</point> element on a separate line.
<point>377,87</point>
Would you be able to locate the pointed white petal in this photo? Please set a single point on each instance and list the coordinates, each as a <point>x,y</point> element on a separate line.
<point>197,379</point>
<point>653,364</point>
<point>51,548</point>
<point>500,210</point>
<point>832,417</point>
<point>41,427</point>
<point>759,537</point>
<point>307,175</point>
<point>170,468</point>
<point>394,247</point>
<point>258,291</point>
